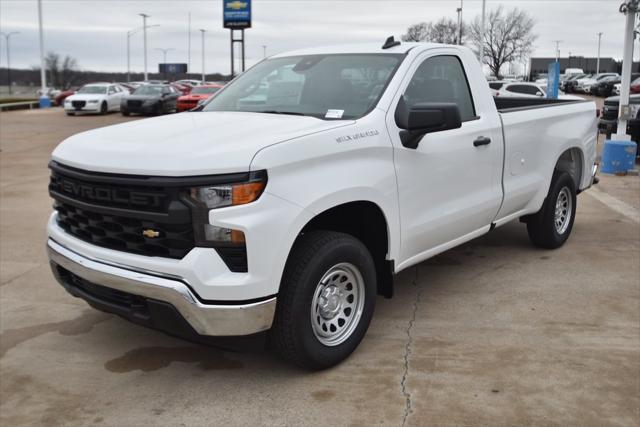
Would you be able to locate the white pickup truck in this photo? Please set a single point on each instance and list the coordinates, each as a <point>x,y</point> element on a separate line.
<point>292,198</point>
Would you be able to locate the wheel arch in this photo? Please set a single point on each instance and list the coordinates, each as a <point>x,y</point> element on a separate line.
<point>366,221</point>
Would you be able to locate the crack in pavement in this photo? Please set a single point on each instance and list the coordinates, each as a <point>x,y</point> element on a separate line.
<point>407,352</point>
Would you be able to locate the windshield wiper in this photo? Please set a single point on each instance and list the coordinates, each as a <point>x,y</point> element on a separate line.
<point>290,113</point>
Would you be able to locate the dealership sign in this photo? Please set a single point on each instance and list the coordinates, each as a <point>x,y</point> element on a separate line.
<point>172,68</point>
<point>236,13</point>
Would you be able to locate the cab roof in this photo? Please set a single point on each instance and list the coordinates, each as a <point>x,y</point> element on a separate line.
<point>402,48</point>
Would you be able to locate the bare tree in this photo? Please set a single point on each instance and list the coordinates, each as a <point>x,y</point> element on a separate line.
<point>417,32</point>
<point>62,72</point>
<point>444,31</point>
<point>508,37</point>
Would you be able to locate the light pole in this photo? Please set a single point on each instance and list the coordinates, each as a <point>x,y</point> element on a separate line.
<point>144,31</point>
<point>7,36</point>
<point>264,50</point>
<point>557,42</point>
<point>598,60</point>
<point>481,49</point>
<point>164,52</point>
<point>630,9</point>
<point>129,34</point>
<point>45,102</point>
<point>202,31</point>
<point>189,47</point>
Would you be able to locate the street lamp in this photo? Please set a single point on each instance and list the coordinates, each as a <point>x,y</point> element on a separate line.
<point>202,31</point>
<point>45,102</point>
<point>7,36</point>
<point>144,31</point>
<point>164,52</point>
<point>598,60</point>
<point>129,34</point>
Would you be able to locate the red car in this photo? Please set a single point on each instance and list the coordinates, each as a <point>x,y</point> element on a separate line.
<point>198,93</point>
<point>183,89</point>
<point>59,100</point>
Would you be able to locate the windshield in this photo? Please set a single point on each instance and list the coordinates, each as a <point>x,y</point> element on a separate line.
<point>335,86</point>
<point>149,90</point>
<point>204,90</point>
<point>93,89</point>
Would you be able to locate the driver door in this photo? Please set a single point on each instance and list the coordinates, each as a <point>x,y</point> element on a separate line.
<point>449,187</point>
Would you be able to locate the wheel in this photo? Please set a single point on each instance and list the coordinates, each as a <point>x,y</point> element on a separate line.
<point>69,113</point>
<point>125,113</point>
<point>158,110</point>
<point>326,299</point>
<point>103,108</point>
<point>551,226</point>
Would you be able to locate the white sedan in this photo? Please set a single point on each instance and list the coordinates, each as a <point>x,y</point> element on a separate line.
<point>95,98</point>
<point>523,90</point>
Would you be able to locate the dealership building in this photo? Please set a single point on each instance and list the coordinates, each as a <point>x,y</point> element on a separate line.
<point>607,65</point>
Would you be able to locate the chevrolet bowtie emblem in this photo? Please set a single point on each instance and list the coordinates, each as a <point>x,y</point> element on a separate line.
<point>148,232</point>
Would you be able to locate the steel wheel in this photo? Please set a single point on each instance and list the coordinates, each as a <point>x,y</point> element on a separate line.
<point>563,212</point>
<point>337,304</point>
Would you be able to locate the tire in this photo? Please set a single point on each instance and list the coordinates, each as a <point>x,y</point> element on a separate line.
<point>158,110</point>
<point>318,260</point>
<point>103,108</point>
<point>125,113</point>
<point>69,113</point>
<point>551,226</point>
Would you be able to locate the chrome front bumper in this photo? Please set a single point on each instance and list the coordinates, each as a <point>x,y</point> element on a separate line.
<point>205,319</point>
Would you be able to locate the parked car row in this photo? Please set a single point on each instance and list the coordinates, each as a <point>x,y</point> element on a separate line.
<point>149,97</point>
<point>511,89</point>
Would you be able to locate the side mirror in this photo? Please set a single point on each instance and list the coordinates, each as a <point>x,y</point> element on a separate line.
<point>424,118</point>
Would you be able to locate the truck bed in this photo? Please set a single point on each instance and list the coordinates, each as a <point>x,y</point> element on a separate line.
<point>508,104</point>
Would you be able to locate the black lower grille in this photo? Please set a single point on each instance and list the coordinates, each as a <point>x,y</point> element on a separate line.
<point>78,104</point>
<point>126,233</point>
<point>134,104</point>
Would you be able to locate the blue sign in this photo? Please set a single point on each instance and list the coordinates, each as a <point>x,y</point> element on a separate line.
<point>172,68</point>
<point>236,13</point>
<point>553,80</point>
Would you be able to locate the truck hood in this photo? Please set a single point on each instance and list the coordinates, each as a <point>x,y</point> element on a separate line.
<point>185,144</point>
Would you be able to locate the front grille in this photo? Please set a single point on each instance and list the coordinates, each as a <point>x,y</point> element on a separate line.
<point>78,104</point>
<point>134,104</point>
<point>126,233</point>
<point>122,214</point>
<point>138,214</point>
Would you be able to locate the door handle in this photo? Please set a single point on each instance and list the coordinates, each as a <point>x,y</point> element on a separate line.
<point>481,140</point>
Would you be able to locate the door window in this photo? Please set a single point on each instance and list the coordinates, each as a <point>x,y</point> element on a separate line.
<point>441,79</point>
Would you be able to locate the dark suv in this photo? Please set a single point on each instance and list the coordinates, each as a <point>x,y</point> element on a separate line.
<point>608,122</point>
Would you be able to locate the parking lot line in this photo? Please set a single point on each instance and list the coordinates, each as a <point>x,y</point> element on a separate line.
<point>615,204</point>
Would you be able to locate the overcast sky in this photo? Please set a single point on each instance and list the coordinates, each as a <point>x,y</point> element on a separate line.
<point>94,31</point>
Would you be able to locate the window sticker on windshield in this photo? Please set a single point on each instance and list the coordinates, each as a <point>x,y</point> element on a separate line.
<point>334,114</point>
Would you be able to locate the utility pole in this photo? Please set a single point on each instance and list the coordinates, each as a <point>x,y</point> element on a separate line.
<point>557,42</point>
<point>598,61</point>
<point>144,31</point>
<point>264,50</point>
<point>189,47</point>
<point>202,31</point>
<point>7,36</point>
<point>481,48</point>
<point>45,102</point>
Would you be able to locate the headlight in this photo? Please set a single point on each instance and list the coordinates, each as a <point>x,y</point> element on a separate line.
<point>93,101</point>
<point>204,198</point>
<point>228,195</point>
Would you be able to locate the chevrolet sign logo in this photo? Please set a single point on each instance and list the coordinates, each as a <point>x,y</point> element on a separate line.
<point>152,234</point>
<point>237,5</point>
